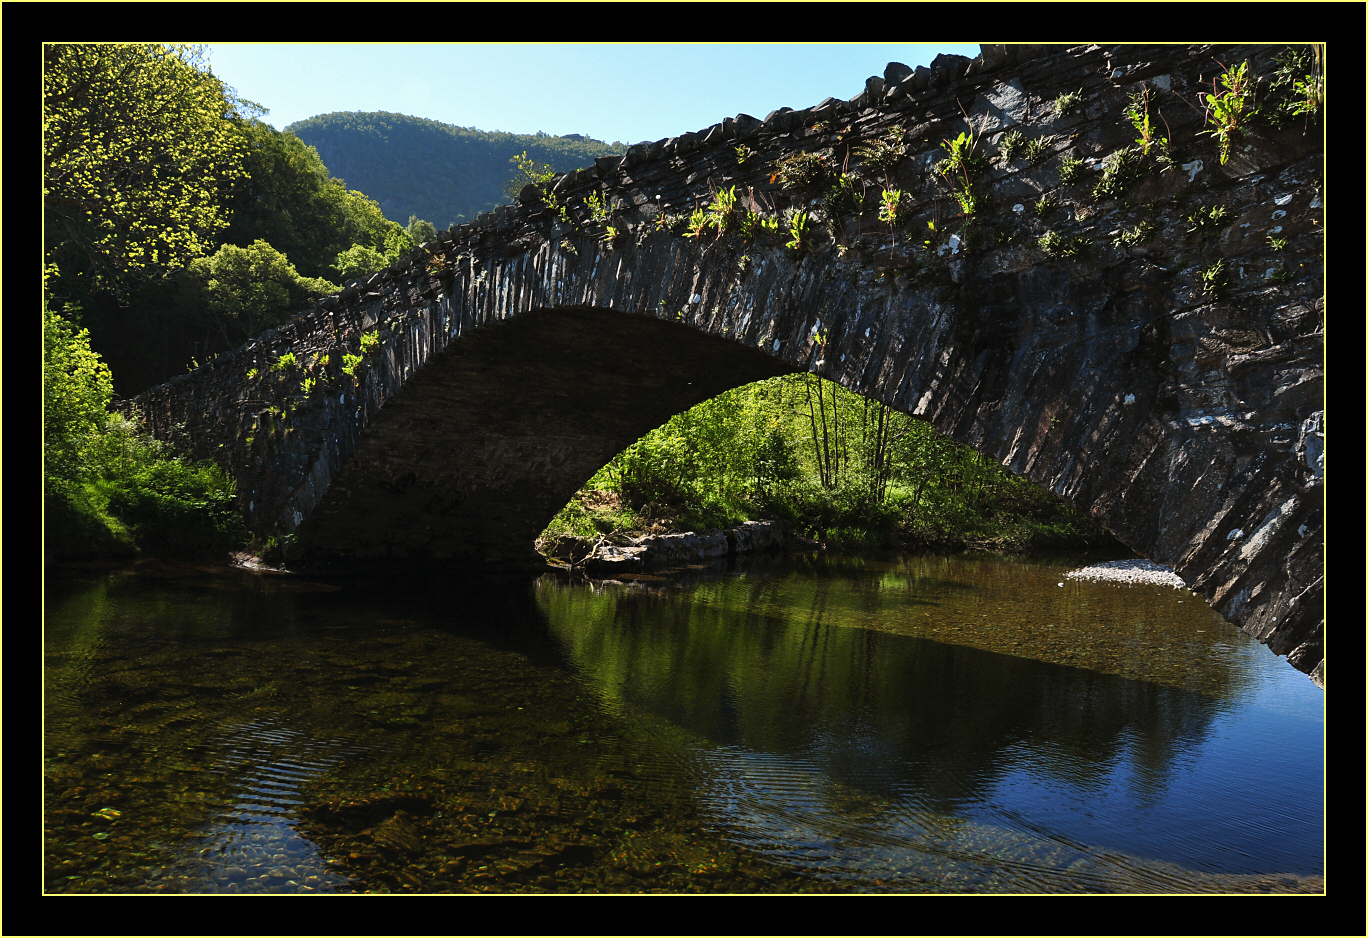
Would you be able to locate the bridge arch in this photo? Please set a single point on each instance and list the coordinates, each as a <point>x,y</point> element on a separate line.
<point>446,408</point>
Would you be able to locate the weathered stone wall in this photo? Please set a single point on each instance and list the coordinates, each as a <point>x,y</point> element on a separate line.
<point>514,356</point>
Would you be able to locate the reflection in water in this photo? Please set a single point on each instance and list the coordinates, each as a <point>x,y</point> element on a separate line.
<point>930,724</point>
<point>831,731</point>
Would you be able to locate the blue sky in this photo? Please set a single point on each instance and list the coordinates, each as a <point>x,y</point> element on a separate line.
<point>626,92</point>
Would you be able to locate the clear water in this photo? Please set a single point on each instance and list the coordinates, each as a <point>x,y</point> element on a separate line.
<point>846,724</point>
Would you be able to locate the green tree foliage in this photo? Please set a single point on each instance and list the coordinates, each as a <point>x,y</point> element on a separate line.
<point>433,170</point>
<point>420,231</point>
<point>840,467</point>
<point>240,292</point>
<point>360,259</point>
<point>137,160</point>
<point>77,387</point>
<point>108,489</point>
<point>289,200</point>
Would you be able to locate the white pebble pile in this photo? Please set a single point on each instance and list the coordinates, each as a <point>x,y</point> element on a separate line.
<point>1144,572</point>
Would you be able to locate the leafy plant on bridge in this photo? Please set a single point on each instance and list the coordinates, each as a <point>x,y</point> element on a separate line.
<point>613,236</point>
<point>1012,143</point>
<point>1120,170</point>
<point>1296,87</point>
<point>1216,278</point>
<point>1037,148</point>
<point>800,232</point>
<point>1057,245</point>
<point>1208,218</point>
<point>883,156</point>
<point>1227,110</point>
<point>890,204</point>
<point>1138,235</point>
<point>1066,103</point>
<point>845,199</point>
<point>600,205</point>
<point>801,171</point>
<point>1071,168</point>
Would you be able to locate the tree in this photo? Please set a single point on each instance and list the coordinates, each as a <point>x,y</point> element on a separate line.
<point>137,160</point>
<point>77,388</point>
<point>242,291</point>
<point>420,231</point>
<point>282,199</point>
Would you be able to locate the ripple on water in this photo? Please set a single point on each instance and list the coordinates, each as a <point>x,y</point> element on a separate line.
<point>253,846</point>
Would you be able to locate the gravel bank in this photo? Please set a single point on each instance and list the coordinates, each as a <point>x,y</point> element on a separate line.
<point>1144,572</point>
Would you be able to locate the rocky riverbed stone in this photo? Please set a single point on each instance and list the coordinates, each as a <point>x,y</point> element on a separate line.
<point>1133,572</point>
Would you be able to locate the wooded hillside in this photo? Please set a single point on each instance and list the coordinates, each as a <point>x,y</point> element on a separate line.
<point>443,173</point>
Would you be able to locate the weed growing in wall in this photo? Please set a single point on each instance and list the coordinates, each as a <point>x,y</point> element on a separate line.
<point>882,156</point>
<point>801,171</point>
<point>890,202</point>
<point>1132,237</point>
<point>800,232</point>
<point>1066,103</point>
<point>1012,144</point>
<point>964,164</point>
<point>600,205</point>
<point>1037,148</point>
<point>1057,245</point>
<point>1227,107</point>
<point>1215,278</point>
<point>1071,168</point>
<point>1296,87</point>
<point>1208,218</point>
<point>846,197</point>
<point>1119,171</point>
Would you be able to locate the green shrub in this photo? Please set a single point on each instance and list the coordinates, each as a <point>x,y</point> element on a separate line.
<point>108,487</point>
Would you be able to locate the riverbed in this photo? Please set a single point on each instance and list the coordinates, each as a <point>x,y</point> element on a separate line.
<point>878,723</point>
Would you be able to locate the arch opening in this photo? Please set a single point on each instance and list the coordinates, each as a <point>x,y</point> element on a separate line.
<point>837,466</point>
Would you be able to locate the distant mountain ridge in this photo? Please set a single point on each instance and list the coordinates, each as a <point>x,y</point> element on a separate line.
<point>439,172</point>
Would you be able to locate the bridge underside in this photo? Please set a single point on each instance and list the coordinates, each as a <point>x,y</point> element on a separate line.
<point>474,455</point>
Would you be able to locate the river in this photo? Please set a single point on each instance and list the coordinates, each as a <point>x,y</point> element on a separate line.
<point>814,723</point>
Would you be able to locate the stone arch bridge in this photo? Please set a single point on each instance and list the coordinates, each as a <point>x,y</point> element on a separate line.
<point>1124,331</point>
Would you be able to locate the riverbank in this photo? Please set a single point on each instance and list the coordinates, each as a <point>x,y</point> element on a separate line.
<point>626,553</point>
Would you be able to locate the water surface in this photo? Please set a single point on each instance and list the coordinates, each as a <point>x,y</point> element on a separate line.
<point>879,723</point>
